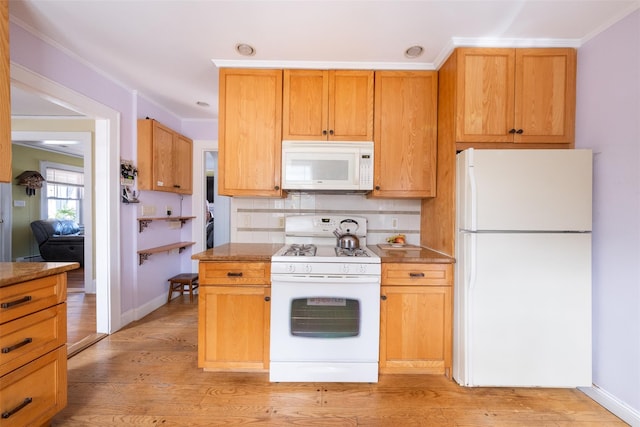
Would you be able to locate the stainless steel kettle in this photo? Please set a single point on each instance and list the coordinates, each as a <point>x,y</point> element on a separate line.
<point>347,240</point>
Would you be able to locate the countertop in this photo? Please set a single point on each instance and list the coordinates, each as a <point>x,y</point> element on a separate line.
<point>16,272</point>
<point>415,255</point>
<point>261,252</point>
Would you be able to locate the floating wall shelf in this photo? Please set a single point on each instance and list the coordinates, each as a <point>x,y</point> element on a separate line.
<point>144,222</point>
<point>144,254</point>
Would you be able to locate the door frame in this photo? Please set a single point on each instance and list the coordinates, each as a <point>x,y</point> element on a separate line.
<point>106,183</point>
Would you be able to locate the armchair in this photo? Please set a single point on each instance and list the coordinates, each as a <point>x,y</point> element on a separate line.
<point>59,240</point>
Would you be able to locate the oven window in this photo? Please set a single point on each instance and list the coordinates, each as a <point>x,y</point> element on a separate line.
<point>325,317</point>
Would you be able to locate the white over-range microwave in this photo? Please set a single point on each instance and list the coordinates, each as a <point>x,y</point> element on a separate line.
<point>327,165</point>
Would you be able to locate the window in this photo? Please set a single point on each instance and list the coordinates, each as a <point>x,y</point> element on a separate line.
<point>63,192</point>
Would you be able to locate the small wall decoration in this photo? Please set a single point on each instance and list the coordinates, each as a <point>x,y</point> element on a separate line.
<point>32,180</point>
<point>128,173</point>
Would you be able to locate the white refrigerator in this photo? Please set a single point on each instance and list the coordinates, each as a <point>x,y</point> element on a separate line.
<point>522,311</point>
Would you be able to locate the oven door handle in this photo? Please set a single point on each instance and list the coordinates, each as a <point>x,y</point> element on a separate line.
<point>297,278</point>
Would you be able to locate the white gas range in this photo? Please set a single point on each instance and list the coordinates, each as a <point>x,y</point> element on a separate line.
<point>325,304</point>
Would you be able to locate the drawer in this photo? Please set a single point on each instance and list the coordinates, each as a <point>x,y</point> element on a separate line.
<point>239,273</point>
<point>33,394</point>
<point>28,297</point>
<point>30,337</point>
<point>405,274</point>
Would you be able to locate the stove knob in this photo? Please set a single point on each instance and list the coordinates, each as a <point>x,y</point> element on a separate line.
<point>363,268</point>
<point>345,268</point>
<point>291,268</point>
<point>307,268</point>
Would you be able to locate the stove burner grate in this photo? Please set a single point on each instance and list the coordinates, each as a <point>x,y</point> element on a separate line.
<point>300,250</point>
<point>351,252</point>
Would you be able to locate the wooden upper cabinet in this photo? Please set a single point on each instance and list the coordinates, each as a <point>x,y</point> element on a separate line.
<point>250,132</point>
<point>183,175</point>
<point>333,105</point>
<point>545,95</point>
<point>515,95</point>
<point>405,139</point>
<point>165,160</point>
<point>5,98</point>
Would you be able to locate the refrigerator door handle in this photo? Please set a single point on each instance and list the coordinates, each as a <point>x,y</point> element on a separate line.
<point>473,197</point>
<point>472,260</point>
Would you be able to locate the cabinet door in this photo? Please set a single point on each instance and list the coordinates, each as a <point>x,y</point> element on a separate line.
<point>350,105</point>
<point>405,134</point>
<point>233,328</point>
<point>415,329</point>
<point>305,105</point>
<point>328,105</point>
<point>250,132</point>
<point>183,159</point>
<point>485,95</point>
<point>5,98</point>
<point>545,95</point>
<point>162,157</point>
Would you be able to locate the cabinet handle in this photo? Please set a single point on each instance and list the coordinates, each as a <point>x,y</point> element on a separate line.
<point>176,185</point>
<point>383,297</point>
<point>24,403</point>
<point>519,131</point>
<point>267,299</point>
<point>377,187</point>
<point>16,302</point>
<point>416,274</point>
<point>331,132</point>
<point>324,132</point>
<point>512,131</point>
<point>277,187</point>
<point>25,341</point>
<point>234,274</point>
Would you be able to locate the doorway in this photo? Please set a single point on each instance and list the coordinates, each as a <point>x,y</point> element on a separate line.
<point>205,163</point>
<point>106,173</point>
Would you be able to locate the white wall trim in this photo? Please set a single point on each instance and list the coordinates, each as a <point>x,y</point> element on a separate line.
<point>106,172</point>
<point>613,404</point>
<point>199,195</point>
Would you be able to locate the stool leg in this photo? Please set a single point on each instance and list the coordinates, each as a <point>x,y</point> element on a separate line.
<point>170,292</point>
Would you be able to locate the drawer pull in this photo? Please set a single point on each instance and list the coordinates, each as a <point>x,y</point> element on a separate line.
<point>234,274</point>
<point>16,302</point>
<point>24,403</point>
<point>25,341</point>
<point>416,274</point>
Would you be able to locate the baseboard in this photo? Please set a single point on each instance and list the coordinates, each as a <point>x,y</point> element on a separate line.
<point>139,312</point>
<point>615,406</point>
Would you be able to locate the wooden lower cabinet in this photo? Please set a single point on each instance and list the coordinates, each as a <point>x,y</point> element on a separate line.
<point>234,316</point>
<point>416,318</point>
<point>33,361</point>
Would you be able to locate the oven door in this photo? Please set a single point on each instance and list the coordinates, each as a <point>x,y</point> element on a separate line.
<point>325,319</point>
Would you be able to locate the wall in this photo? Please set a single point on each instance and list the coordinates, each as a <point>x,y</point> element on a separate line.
<point>607,120</point>
<point>140,290</point>
<point>25,158</point>
<point>259,220</point>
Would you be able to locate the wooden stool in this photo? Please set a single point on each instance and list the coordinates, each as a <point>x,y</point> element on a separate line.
<point>179,282</point>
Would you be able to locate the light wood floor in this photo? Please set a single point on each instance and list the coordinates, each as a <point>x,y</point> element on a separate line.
<point>146,374</point>
<point>81,314</point>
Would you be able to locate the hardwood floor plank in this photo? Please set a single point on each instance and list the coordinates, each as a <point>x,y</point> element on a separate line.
<point>147,374</point>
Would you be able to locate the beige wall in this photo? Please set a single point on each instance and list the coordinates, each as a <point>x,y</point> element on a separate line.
<point>26,158</point>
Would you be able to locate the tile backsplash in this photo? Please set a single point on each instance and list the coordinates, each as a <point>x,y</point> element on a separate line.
<point>260,220</point>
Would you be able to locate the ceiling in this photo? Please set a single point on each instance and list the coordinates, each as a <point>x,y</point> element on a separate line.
<point>170,51</point>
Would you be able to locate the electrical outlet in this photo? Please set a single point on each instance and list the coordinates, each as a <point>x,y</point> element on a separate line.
<point>394,223</point>
<point>281,222</point>
<point>148,210</point>
<point>246,221</point>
